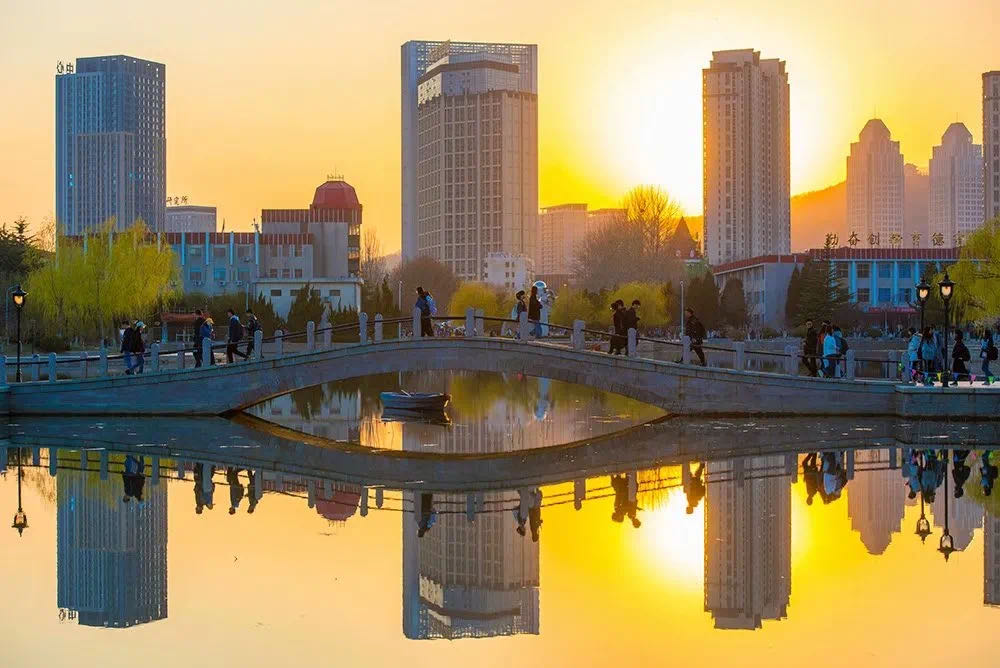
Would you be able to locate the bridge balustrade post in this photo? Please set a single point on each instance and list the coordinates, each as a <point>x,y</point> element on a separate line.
<point>416,323</point>
<point>102,360</point>
<point>379,497</point>
<point>52,367</point>
<point>633,342</point>
<point>363,506</point>
<point>740,356</point>
<point>53,462</point>
<point>327,334</point>
<point>686,349</point>
<point>850,462</point>
<point>470,322</point>
<point>481,323</point>
<point>102,464</point>
<point>36,363</point>
<point>179,465</point>
<point>378,328</point>
<point>154,353</point>
<point>578,334</point>
<point>156,471</point>
<point>206,352</point>
<point>258,345</point>
<point>470,506</point>
<point>892,364</point>
<point>181,359</point>
<point>579,492</point>
<point>791,360</point>
<point>83,365</point>
<point>523,330</point>
<point>310,336</point>
<point>893,460</point>
<point>3,459</point>
<point>363,326</point>
<point>3,372</point>
<point>849,363</point>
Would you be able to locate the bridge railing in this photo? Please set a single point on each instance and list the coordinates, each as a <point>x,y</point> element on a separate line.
<point>790,361</point>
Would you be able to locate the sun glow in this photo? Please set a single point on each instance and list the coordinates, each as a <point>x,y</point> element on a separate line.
<point>674,541</point>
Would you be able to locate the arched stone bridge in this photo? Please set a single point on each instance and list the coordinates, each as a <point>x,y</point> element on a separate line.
<point>677,388</point>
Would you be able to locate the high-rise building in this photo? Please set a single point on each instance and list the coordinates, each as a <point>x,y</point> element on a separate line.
<point>875,185</point>
<point>874,503</point>
<point>748,541</point>
<point>111,151</point>
<point>956,171</point>
<point>746,156</point>
<point>111,556</point>
<point>991,560</point>
<point>991,144</point>
<point>190,218</point>
<point>469,151</point>
<point>964,517</point>
<point>561,229</point>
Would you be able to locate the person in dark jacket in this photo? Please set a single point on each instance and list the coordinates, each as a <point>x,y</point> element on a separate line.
<point>960,471</point>
<point>694,329</point>
<point>626,503</point>
<point>133,477</point>
<point>253,326</point>
<point>236,489</point>
<point>535,312</point>
<point>424,304</point>
<point>694,488</point>
<point>632,319</point>
<point>204,487</point>
<point>207,331</point>
<point>137,348</point>
<point>618,341</point>
<point>199,321</point>
<point>519,308</point>
<point>809,348</point>
<point>959,356</point>
<point>126,348</point>
<point>235,336</point>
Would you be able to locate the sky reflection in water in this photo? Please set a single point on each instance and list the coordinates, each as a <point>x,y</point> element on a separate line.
<point>315,572</point>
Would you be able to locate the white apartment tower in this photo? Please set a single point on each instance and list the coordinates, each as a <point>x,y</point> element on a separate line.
<point>477,161</point>
<point>746,156</point>
<point>991,144</point>
<point>875,184</point>
<point>956,183</point>
<point>417,58</point>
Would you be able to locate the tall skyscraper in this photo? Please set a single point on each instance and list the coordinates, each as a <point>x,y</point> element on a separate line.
<point>874,503</point>
<point>111,556</point>
<point>469,151</point>
<point>748,541</point>
<point>956,171</point>
<point>875,184</point>
<point>746,156</point>
<point>560,230</point>
<point>111,151</point>
<point>991,144</point>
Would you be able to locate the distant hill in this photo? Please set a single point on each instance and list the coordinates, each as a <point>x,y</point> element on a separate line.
<point>820,212</point>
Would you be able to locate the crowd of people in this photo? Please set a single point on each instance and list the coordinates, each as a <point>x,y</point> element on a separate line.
<point>926,354</point>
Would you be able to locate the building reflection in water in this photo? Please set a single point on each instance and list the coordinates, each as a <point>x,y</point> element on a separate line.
<point>875,501</point>
<point>467,578</point>
<point>991,560</point>
<point>748,540</point>
<point>111,555</point>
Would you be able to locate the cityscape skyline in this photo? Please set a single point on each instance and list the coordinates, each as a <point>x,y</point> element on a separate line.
<point>626,138</point>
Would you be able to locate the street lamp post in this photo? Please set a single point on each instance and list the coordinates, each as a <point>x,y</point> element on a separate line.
<point>682,309</point>
<point>946,287</point>
<point>18,296</point>
<point>923,292</point>
<point>947,544</point>
<point>20,517</point>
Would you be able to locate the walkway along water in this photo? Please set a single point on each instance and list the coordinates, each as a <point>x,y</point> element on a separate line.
<point>677,387</point>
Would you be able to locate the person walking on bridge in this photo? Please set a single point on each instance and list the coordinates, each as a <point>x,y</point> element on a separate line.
<point>519,308</point>
<point>696,331</point>
<point>632,320</point>
<point>425,304</point>
<point>198,322</point>
<point>618,340</point>
<point>535,312</point>
<point>959,356</point>
<point>987,353</point>
<point>136,349</point>
<point>207,331</point>
<point>253,326</point>
<point>809,348</point>
<point>236,332</point>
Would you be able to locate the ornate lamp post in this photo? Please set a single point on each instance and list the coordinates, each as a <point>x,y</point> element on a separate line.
<point>923,525</point>
<point>18,297</point>
<point>20,517</point>
<point>923,292</point>
<point>946,287</point>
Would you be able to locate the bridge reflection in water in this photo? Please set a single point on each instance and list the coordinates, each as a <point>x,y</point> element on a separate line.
<point>472,574</point>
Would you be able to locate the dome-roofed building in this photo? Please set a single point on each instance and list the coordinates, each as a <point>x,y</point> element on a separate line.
<point>336,193</point>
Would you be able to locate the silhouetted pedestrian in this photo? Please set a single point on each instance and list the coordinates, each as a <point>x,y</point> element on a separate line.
<point>427,516</point>
<point>424,303</point>
<point>235,335</point>
<point>236,489</point>
<point>535,313</point>
<point>133,477</point>
<point>618,340</point>
<point>809,348</point>
<point>198,322</point>
<point>694,486</point>
<point>696,331</point>
<point>252,327</point>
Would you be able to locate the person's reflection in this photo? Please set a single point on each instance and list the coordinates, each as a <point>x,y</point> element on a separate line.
<point>694,486</point>
<point>911,470</point>
<point>133,478</point>
<point>204,487</point>
<point>626,503</point>
<point>960,471</point>
<point>931,475</point>
<point>834,476</point>
<point>427,516</point>
<point>529,511</point>
<point>810,474</point>
<point>987,472</point>
<point>253,491</point>
<point>236,490</point>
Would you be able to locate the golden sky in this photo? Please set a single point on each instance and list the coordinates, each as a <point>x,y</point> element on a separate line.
<point>265,99</point>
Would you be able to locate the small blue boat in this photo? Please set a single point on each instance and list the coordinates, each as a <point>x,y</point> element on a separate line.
<point>415,401</point>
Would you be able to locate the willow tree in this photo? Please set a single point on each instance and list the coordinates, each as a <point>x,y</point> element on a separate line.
<point>977,274</point>
<point>99,277</point>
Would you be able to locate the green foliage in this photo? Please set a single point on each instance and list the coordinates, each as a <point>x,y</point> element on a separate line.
<point>702,295</point>
<point>654,309</point>
<point>821,296</point>
<point>307,306</point>
<point>768,333</point>
<point>50,343</point>
<point>577,305</point>
<point>494,301</point>
<point>733,303</point>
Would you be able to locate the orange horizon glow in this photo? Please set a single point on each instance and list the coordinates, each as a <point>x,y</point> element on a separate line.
<point>264,102</point>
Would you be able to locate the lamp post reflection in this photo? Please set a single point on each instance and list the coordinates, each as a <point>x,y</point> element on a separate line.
<point>20,517</point>
<point>947,543</point>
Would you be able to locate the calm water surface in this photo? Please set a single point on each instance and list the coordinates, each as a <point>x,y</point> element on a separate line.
<point>745,559</point>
